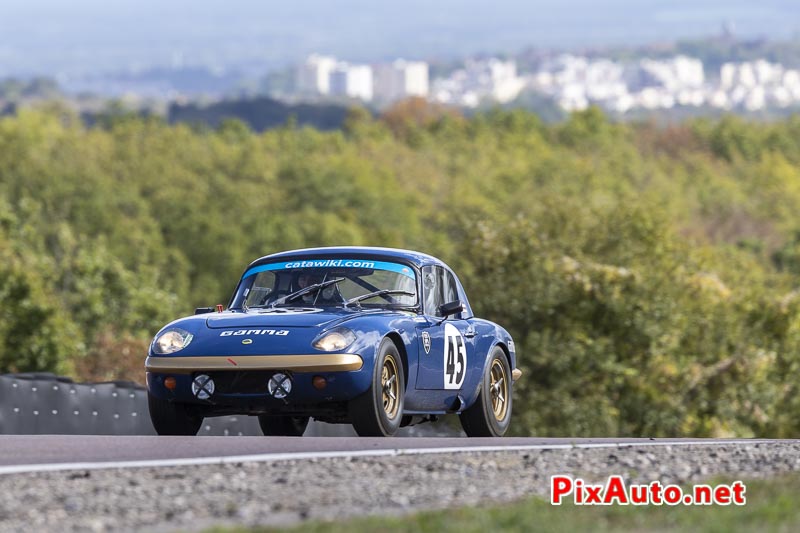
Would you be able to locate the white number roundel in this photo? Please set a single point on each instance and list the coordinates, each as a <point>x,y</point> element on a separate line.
<point>455,357</point>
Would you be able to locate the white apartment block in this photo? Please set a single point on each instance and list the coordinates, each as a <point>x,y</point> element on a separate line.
<point>400,79</point>
<point>494,79</point>
<point>576,82</point>
<point>313,76</point>
<point>756,85</point>
<point>353,81</point>
<point>490,79</point>
<point>674,74</point>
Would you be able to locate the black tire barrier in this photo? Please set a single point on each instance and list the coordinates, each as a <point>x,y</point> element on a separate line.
<point>46,404</point>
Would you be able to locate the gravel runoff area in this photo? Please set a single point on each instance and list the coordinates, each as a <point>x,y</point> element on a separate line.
<point>287,492</point>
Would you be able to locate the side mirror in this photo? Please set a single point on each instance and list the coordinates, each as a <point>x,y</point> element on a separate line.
<point>451,308</point>
<point>203,310</point>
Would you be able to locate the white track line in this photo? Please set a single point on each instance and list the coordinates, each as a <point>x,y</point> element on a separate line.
<point>294,456</point>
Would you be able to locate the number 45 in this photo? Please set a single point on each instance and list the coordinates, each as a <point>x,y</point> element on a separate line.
<point>455,362</point>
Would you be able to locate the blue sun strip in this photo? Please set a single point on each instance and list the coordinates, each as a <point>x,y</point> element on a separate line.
<point>333,263</point>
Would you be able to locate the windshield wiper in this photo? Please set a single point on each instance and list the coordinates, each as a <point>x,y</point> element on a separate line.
<point>305,290</point>
<point>382,292</point>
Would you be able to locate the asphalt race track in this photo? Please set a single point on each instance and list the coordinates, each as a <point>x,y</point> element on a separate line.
<point>68,483</point>
<point>47,452</point>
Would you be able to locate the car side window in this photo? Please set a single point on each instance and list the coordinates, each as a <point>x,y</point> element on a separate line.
<point>450,290</point>
<point>440,288</point>
<point>432,289</point>
<point>450,287</point>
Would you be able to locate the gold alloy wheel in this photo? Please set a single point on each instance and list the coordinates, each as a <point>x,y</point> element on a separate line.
<point>498,387</point>
<point>390,386</point>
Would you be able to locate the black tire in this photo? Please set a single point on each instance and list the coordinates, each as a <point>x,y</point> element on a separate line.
<point>170,418</point>
<point>283,426</point>
<point>370,413</point>
<point>489,416</point>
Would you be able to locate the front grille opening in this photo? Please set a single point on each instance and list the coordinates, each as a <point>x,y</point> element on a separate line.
<point>242,382</point>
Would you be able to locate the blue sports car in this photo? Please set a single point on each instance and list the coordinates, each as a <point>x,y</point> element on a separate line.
<point>374,337</point>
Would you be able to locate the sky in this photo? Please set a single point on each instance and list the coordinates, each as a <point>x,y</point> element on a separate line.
<point>78,36</point>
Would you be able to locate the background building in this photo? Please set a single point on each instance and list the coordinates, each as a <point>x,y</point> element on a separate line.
<point>400,79</point>
<point>313,76</point>
<point>353,81</point>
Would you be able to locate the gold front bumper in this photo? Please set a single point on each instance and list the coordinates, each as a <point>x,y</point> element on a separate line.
<point>338,362</point>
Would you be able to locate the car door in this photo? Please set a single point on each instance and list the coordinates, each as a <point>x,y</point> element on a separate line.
<point>445,345</point>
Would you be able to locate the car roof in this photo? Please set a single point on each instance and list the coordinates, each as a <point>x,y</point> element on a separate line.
<point>418,259</point>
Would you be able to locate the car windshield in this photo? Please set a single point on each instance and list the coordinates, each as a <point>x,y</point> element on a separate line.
<point>328,282</point>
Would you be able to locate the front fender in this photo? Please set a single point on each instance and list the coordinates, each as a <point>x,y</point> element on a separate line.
<point>370,333</point>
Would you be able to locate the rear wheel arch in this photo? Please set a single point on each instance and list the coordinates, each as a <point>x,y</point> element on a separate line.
<point>488,355</point>
<point>503,347</point>
<point>490,413</point>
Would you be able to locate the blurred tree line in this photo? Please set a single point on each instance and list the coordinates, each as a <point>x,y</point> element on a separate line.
<point>649,274</point>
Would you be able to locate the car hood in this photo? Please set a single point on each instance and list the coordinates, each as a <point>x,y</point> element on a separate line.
<point>286,317</point>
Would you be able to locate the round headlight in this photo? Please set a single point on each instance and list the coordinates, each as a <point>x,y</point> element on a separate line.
<point>171,341</point>
<point>335,340</point>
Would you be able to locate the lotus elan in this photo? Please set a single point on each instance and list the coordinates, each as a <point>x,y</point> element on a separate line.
<point>374,337</point>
